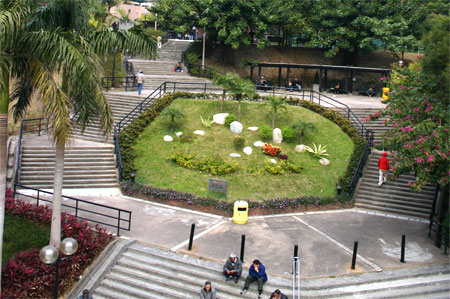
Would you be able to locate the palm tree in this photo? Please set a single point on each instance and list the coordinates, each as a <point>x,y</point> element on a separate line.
<point>225,81</point>
<point>172,114</point>
<point>276,104</point>
<point>79,91</point>
<point>240,89</point>
<point>303,128</point>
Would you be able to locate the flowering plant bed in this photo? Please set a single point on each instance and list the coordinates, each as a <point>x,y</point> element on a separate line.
<point>25,276</point>
<point>271,150</point>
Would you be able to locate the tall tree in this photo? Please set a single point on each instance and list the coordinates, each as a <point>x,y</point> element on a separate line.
<point>224,81</point>
<point>241,89</point>
<point>276,104</point>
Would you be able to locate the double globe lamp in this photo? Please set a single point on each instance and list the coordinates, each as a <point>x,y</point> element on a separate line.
<point>50,255</point>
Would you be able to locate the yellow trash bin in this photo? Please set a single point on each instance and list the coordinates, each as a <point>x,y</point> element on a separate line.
<point>240,214</point>
<point>385,94</point>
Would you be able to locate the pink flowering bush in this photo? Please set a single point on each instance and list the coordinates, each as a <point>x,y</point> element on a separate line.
<point>419,123</point>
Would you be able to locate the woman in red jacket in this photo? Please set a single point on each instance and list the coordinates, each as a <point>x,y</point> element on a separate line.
<point>383,166</point>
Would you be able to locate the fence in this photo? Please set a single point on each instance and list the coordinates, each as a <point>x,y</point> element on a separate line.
<point>440,234</point>
<point>126,83</point>
<point>118,219</point>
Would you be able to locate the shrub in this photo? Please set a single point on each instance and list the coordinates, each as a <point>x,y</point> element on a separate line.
<point>266,132</point>
<point>207,164</point>
<point>283,157</point>
<point>317,151</point>
<point>25,276</point>
<point>206,122</point>
<point>186,138</point>
<point>288,134</point>
<point>229,119</point>
<point>239,142</point>
<point>274,168</point>
<point>271,150</point>
<point>282,167</point>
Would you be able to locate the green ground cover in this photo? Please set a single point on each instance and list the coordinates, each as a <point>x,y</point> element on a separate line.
<point>22,234</point>
<point>154,169</point>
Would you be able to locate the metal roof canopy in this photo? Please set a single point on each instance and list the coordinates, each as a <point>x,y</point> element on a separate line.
<point>323,70</point>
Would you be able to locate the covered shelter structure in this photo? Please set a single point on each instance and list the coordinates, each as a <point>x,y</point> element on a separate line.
<point>348,71</point>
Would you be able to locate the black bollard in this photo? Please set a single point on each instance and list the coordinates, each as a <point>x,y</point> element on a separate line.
<point>402,256</point>
<point>295,250</point>
<point>191,237</point>
<point>242,247</point>
<point>355,253</point>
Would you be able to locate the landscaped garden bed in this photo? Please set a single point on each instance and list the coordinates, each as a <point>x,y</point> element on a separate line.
<point>160,162</point>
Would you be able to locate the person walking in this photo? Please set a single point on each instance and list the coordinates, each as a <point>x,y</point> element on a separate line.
<point>232,268</point>
<point>383,168</point>
<point>208,292</point>
<point>140,81</point>
<point>257,272</point>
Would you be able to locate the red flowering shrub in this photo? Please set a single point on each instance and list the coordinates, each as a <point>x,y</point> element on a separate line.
<point>271,150</point>
<point>25,276</point>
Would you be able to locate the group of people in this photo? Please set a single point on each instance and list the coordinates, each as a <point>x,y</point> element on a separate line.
<point>232,270</point>
<point>294,85</point>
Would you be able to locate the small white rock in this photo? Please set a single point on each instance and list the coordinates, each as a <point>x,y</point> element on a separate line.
<point>178,134</point>
<point>258,144</point>
<point>277,137</point>
<point>219,118</point>
<point>199,132</point>
<point>273,161</point>
<point>253,129</point>
<point>168,138</point>
<point>301,148</point>
<point>247,150</point>
<point>324,161</point>
<point>235,155</point>
<point>236,127</point>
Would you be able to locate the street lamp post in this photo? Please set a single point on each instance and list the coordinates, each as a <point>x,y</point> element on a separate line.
<point>49,255</point>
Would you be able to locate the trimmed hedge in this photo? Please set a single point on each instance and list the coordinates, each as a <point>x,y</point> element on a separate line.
<point>25,276</point>
<point>129,135</point>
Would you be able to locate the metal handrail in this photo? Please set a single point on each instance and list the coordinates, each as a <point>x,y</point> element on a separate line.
<point>126,82</point>
<point>439,233</point>
<point>362,161</point>
<point>119,164</point>
<point>123,216</point>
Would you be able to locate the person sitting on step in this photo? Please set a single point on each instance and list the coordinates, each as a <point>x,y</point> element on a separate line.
<point>232,268</point>
<point>257,272</point>
<point>178,67</point>
<point>278,295</point>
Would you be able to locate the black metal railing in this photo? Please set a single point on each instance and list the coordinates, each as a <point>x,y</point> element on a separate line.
<point>362,162</point>
<point>129,68</point>
<point>126,83</point>
<point>28,126</point>
<point>118,219</point>
<point>198,70</point>
<point>119,164</point>
<point>440,234</point>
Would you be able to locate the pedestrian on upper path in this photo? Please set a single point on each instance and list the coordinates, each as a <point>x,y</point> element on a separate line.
<point>232,268</point>
<point>140,81</point>
<point>257,272</point>
<point>208,292</point>
<point>383,168</point>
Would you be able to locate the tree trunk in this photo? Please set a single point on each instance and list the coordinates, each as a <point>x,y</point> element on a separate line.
<point>273,120</point>
<point>4,101</point>
<point>239,110</point>
<point>55,229</point>
<point>223,100</point>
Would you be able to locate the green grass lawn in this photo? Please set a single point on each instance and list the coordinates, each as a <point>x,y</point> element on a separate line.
<point>22,234</point>
<point>155,170</point>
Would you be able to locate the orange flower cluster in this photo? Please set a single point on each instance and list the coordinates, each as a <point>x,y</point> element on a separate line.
<point>269,149</point>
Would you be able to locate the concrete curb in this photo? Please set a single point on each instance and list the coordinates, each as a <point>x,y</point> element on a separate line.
<point>102,265</point>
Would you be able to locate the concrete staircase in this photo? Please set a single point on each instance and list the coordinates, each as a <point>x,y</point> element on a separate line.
<point>138,271</point>
<point>376,126</point>
<point>84,167</point>
<point>394,196</point>
<point>173,49</point>
<point>145,272</point>
<point>121,104</point>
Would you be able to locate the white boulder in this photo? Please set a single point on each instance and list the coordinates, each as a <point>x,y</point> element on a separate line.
<point>253,129</point>
<point>273,161</point>
<point>247,150</point>
<point>258,144</point>
<point>236,127</point>
<point>199,132</point>
<point>301,148</point>
<point>168,138</point>
<point>277,137</point>
<point>235,155</point>
<point>324,161</point>
<point>219,118</point>
<point>178,134</point>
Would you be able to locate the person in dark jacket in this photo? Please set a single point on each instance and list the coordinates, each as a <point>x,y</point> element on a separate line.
<point>232,268</point>
<point>278,295</point>
<point>208,292</point>
<point>257,272</point>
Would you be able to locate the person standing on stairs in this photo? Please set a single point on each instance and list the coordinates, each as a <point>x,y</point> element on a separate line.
<point>140,81</point>
<point>208,292</point>
<point>383,168</point>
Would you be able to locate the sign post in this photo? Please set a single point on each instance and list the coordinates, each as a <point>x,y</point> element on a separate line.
<point>217,186</point>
